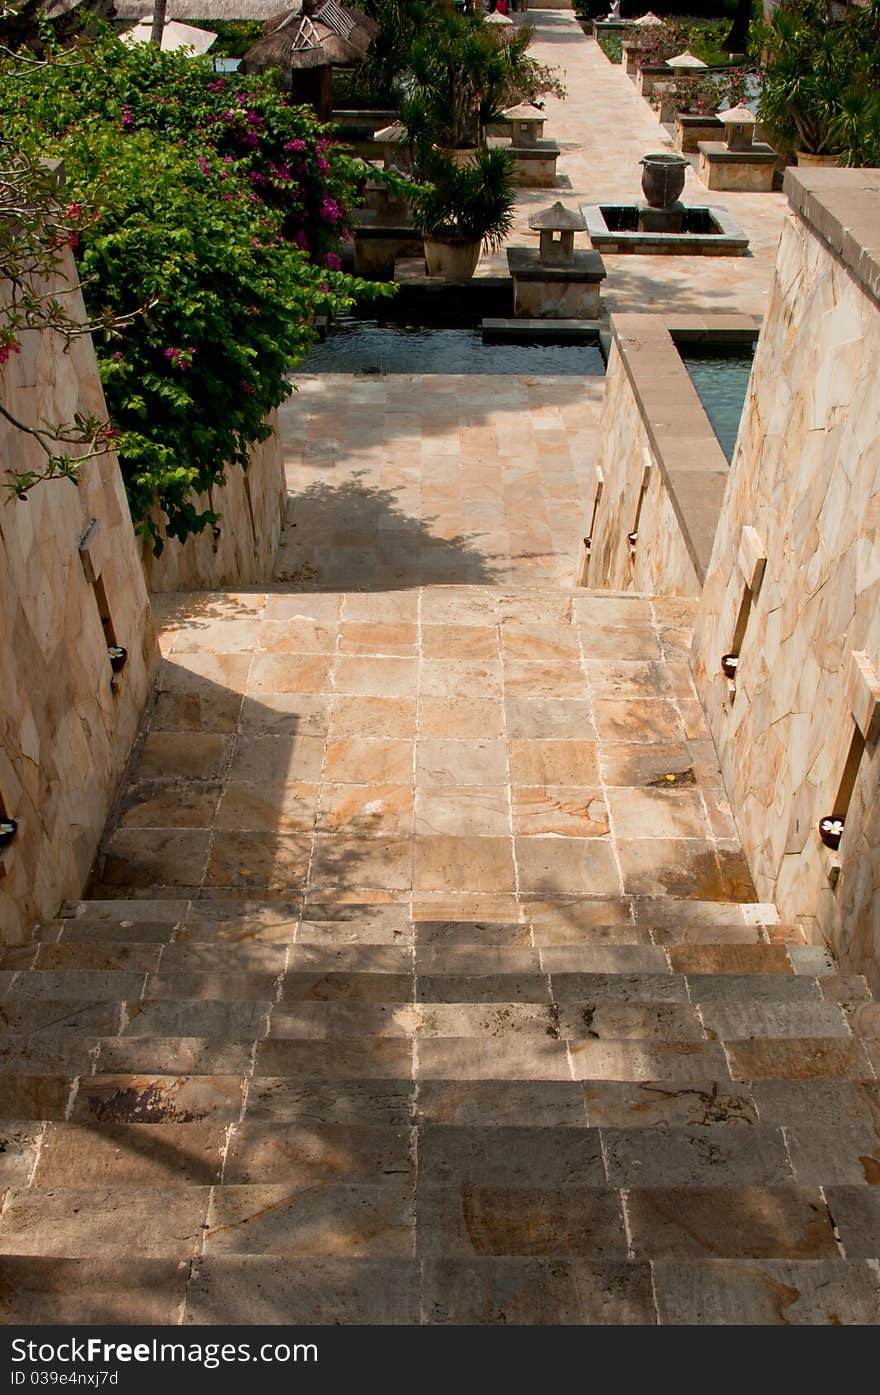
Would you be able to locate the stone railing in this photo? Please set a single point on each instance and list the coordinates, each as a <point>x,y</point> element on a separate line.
<point>661,473</point>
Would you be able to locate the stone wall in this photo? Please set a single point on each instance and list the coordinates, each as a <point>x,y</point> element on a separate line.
<point>65,732</point>
<point>804,492</point>
<point>243,548</point>
<point>659,462</point>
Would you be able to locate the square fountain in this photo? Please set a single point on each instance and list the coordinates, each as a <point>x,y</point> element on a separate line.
<point>663,225</point>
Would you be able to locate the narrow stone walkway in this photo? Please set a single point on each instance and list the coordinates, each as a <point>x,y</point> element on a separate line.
<point>604,128</point>
<point>422,983</point>
<point>421,979</point>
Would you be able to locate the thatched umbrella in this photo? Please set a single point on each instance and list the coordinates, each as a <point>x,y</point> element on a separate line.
<point>306,42</point>
<point>201,9</point>
<point>174,35</point>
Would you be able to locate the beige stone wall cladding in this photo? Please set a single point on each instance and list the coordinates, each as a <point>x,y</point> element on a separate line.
<point>64,733</point>
<point>251,505</point>
<point>654,436</point>
<point>806,477</point>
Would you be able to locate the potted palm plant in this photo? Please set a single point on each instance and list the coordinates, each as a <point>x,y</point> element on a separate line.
<point>466,206</point>
<point>818,98</point>
<point>463,75</point>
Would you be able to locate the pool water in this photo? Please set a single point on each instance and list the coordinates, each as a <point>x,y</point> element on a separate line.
<point>363,346</point>
<point>721,378</point>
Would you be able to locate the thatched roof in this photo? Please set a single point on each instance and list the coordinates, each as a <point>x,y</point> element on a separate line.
<point>174,35</point>
<point>201,9</point>
<point>320,33</point>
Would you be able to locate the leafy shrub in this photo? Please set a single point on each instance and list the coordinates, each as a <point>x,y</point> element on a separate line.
<point>821,80</point>
<point>234,36</point>
<point>612,46</point>
<point>705,94</point>
<point>218,205</point>
<point>471,202</point>
<point>704,39</point>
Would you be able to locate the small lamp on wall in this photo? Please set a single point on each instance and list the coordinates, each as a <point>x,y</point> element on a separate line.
<point>831,831</point>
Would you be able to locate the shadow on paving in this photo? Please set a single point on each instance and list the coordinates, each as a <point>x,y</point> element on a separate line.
<point>354,535</point>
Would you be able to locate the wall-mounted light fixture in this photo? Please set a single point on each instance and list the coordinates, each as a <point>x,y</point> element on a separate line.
<point>584,567</point>
<point>751,560</point>
<point>863,706</point>
<point>830,831</point>
<point>632,537</point>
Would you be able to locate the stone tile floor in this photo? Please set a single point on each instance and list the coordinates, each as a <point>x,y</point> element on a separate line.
<point>401,481</point>
<point>441,742</point>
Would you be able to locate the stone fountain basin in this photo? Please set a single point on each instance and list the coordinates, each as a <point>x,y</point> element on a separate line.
<point>708,232</point>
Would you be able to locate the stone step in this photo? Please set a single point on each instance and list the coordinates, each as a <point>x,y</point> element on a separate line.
<point>303,1152</point>
<point>723,975</point>
<point>644,1021</point>
<point>156,1098</point>
<point>265,1289</point>
<point>630,1042</point>
<point>357,1220</point>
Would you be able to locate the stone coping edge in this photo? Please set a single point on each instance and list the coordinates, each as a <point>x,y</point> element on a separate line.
<point>842,207</point>
<point>688,454</point>
<point>728,240</point>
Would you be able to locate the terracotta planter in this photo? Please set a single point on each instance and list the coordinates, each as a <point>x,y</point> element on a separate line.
<point>455,261</point>
<point>662,179</point>
<point>805,157</point>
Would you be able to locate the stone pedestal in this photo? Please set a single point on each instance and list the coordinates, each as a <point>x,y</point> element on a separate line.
<point>534,166</point>
<point>379,242</point>
<point>395,149</point>
<point>649,75</point>
<point>542,292</point>
<point>631,57</point>
<point>661,220</point>
<point>666,109</point>
<point>749,171</point>
<point>692,127</point>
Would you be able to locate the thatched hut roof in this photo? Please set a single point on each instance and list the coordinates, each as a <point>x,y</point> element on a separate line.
<point>201,9</point>
<point>320,33</point>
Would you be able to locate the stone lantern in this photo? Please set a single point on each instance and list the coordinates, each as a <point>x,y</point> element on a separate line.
<point>534,159</point>
<point>648,21</point>
<point>526,124</point>
<point>557,226</point>
<point>739,128</point>
<point>739,161</point>
<point>556,282</point>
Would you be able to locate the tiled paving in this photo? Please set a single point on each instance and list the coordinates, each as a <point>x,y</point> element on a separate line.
<point>422,979</point>
<point>423,984</point>
<point>432,742</point>
<point>405,481</point>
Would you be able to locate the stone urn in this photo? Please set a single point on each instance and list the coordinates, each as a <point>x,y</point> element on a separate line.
<point>662,179</point>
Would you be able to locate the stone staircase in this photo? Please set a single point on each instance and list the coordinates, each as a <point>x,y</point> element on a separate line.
<point>620,1110</point>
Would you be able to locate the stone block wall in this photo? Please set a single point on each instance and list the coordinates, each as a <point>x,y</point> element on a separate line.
<point>243,550</point>
<point>65,732</point>
<point>805,480</point>
<point>657,447</point>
